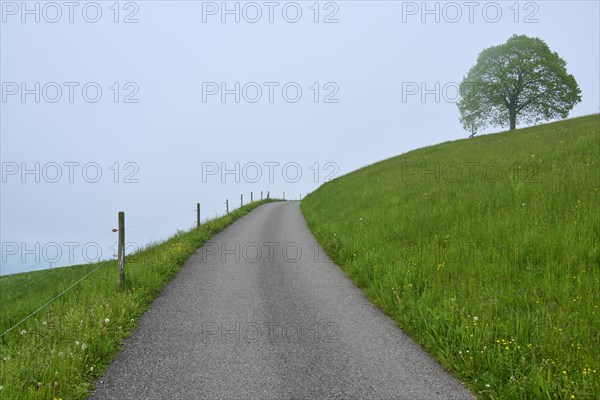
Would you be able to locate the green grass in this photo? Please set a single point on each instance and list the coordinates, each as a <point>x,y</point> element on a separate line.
<point>61,350</point>
<point>486,251</point>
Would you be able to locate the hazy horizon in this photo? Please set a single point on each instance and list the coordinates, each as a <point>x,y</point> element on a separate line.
<point>153,106</point>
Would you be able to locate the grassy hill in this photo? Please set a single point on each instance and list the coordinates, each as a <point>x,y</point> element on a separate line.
<point>59,351</point>
<point>486,251</point>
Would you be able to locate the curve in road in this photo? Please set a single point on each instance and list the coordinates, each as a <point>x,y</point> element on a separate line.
<point>260,312</point>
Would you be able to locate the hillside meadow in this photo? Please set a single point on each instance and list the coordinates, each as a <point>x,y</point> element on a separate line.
<point>486,251</point>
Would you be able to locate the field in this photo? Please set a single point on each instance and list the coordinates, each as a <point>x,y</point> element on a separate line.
<point>57,353</point>
<point>486,251</point>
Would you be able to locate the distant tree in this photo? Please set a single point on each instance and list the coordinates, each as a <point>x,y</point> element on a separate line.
<point>519,81</point>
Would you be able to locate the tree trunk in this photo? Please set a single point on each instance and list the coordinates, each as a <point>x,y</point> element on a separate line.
<point>512,116</point>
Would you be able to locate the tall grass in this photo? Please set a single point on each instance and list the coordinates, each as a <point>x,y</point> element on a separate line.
<point>61,350</point>
<point>486,251</point>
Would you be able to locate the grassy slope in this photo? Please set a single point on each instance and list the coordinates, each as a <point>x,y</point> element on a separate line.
<point>61,350</point>
<point>486,251</point>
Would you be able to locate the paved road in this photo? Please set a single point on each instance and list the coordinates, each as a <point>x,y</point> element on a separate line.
<point>260,313</point>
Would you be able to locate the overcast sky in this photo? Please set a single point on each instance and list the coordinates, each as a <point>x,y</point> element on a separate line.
<point>142,105</point>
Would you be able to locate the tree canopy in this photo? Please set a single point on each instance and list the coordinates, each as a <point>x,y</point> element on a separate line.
<point>519,81</point>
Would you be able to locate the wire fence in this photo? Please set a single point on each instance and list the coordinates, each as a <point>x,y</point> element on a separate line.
<point>102,263</point>
<point>53,299</point>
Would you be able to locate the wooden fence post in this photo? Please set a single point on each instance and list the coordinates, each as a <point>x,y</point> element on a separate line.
<point>226,206</point>
<point>241,200</point>
<point>121,253</point>
<point>198,215</point>
<point>251,197</point>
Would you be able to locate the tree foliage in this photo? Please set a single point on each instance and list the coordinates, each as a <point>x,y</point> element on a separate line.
<point>519,81</point>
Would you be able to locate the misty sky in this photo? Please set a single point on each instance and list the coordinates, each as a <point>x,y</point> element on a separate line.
<point>139,101</point>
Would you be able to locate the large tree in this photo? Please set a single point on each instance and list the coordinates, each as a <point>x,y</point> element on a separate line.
<point>521,80</point>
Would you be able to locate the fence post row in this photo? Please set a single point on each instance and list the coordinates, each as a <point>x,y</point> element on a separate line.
<point>121,247</point>
<point>121,230</point>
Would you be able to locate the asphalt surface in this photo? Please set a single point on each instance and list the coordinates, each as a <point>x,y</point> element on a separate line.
<point>261,313</point>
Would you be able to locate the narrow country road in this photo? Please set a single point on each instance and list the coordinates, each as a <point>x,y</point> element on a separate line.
<point>261,313</point>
